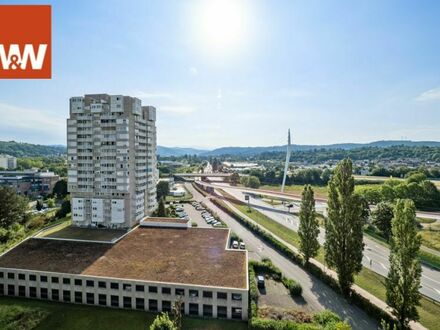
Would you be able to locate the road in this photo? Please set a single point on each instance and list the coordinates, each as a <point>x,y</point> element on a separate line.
<point>316,295</point>
<point>375,255</point>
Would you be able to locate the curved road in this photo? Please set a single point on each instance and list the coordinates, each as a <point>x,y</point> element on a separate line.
<point>316,295</point>
<point>375,255</point>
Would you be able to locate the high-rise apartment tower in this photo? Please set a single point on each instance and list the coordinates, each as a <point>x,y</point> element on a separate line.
<point>112,166</point>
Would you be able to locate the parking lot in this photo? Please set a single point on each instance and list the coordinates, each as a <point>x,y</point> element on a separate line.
<point>195,216</point>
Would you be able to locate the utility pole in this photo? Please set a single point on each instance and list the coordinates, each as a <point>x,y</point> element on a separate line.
<point>286,166</point>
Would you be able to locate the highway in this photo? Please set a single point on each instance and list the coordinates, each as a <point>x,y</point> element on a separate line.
<point>316,295</point>
<point>375,255</point>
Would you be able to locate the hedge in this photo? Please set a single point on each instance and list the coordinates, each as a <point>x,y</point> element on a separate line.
<point>363,303</point>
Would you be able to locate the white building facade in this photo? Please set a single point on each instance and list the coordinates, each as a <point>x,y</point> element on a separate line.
<point>8,162</point>
<point>112,166</point>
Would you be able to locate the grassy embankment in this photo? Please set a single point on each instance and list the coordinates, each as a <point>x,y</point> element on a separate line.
<point>26,314</point>
<point>33,225</point>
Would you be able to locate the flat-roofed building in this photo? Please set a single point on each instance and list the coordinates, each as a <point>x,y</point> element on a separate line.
<point>112,170</point>
<point>150,268</point>
<point>8,162</point>
<point>30,182</point>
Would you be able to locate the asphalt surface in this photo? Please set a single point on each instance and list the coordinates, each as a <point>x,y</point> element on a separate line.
<point>195,216</point>
<point>375,255</point>
<point>316,295</point>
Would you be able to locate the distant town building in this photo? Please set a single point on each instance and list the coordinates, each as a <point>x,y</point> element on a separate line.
<point>112,166</point>
<point>240,166</point>
<point>8,162</point>
<point>30,182</point>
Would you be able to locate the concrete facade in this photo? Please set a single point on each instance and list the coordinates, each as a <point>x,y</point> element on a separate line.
<point>8,162</point>
<point>206,301</point>
<point>112,166</point>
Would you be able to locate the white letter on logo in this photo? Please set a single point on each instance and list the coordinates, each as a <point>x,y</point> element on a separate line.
<point>36,61</point>
<point>21,60</point>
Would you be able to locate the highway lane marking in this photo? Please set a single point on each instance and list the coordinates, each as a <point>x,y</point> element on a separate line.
<point>430,279</point>
<point>383,266</point>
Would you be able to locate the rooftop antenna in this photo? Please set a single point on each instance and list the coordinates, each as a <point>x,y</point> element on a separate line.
<point>286,165</point>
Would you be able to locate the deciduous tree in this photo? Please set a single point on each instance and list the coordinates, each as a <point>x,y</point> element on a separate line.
<point>235,179</point>
<point>343,227</point>
<point>308,225</point>
<point>12,207</point>
<point>403,279</point>
<point>161,209</point>
<point>382,217</point>
<point>162,189</point>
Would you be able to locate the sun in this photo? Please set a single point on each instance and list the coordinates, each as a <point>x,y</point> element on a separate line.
<point>221,25</point>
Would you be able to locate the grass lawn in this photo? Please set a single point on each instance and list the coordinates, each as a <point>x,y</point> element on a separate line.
<point>366,279</point>
<point>296,189</point>
<point>425,220</point>
<point>63,316</point>
<point>30,232</point>
<point>272,201</point>
<point>375,284</point>
<point>320,191</point>
<point>431,238</point>
<point>84,233</point>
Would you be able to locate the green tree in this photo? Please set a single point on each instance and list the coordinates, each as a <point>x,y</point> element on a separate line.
<point>253,182</point>
<point>60,188</point>
<point>382,216</point>
<point>161,209</point>
<point>12,207</point>
<point>65,208</point>
<point>308,225</point>
<point>162,189</point>
<point>39,205</point>
<point>50,202</point>
<point>343,227</point>
<point>403,281</point>
<point>162,322</point>
<point>235,179</point>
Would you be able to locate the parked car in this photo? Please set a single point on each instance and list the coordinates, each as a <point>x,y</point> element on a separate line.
<point>242,246</point>
<point>218,224</point>
<point>235,244</point>
<point>260,282</point>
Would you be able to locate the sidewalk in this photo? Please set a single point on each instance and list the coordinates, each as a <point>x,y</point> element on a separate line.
<point>376,301</point>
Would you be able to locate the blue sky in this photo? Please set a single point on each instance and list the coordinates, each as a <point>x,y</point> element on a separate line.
<point>332,71</point>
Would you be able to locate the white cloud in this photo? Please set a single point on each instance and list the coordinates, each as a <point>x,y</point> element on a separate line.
<point>152,95</point>
<point>177,109</point>
<point>26,123</point>
<point>430,95</point>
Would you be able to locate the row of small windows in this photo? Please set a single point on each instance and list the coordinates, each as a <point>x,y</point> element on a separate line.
<point>125,286</point>
<point>127,302</point>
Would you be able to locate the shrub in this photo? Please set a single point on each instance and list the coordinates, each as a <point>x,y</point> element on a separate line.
<point>325,317</point>
<point>294,288</point>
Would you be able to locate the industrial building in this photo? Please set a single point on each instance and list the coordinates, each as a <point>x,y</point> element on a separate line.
<point>150,268</point>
